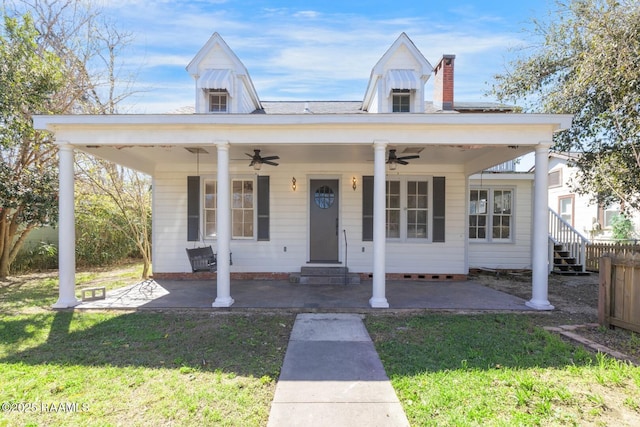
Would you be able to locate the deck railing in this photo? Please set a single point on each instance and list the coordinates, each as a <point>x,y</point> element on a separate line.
<point>509,166</point>
<point>561,232</point>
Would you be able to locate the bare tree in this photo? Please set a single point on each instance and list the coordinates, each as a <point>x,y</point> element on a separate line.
<point>130,191</point>
<point>94,82</point>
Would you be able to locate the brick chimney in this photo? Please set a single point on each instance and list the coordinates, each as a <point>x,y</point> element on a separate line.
<point>443,84</point>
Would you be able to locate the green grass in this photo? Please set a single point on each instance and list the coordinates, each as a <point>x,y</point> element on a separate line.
<point>199,368</point>
<point>500,370</point>
<point>142,368</point>
<point>146,368</point>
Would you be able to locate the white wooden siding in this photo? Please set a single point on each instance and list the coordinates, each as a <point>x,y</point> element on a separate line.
<point>517,253</point>
<point>289,218</point>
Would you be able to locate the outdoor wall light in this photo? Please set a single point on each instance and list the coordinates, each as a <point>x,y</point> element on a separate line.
<point>354,182</point>
<point>293,183</point>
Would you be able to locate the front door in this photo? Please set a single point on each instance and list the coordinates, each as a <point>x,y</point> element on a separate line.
<point>323,220</point>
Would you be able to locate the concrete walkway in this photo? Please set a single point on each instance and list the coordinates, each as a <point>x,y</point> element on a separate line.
<point>332,376</point>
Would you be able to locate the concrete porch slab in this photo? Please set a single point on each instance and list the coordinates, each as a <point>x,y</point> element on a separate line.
<point>273,294</point>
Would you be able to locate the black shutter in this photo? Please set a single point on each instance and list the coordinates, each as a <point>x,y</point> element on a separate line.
<point>367,208</point>
<point>193,208</point>
<point>263,208</point>
<point>438,208</point>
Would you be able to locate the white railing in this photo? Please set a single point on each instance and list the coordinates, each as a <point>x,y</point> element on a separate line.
<point>561,232</point>
<point>509,166</point>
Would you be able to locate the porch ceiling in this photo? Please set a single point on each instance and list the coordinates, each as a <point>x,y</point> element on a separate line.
<point>473,142</point>
<point>148,158</point>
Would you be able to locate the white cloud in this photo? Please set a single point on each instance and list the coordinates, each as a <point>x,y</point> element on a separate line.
<point>303,54</point>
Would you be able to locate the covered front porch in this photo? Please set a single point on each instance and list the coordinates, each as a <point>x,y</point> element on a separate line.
<point>279,294</point>
<point>343,148</point>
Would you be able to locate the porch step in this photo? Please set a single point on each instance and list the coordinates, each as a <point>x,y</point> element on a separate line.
<point>564,264</point>
<point>325,276</point>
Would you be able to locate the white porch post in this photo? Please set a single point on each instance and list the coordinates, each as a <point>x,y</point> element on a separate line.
<point>539,255</point>
<point>223,228</point>
<point>66,230</point>
<point>379,300</point>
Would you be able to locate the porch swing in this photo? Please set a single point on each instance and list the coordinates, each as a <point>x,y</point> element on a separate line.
<point>202,258</point>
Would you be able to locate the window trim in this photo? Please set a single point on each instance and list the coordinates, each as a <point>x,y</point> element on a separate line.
<point>404,209</point>
<point>232,178</point>
<point>401,93</point>
<point>551,183</point>
<point>571,197</point>
<point>217,92</point>
<point>490,214</point>
<point>253,208</point>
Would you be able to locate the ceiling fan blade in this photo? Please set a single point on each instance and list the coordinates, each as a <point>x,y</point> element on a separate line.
<point>250,155</point>
<point>270,158</point>
<point>415,156</point>
<point>402,162</point>
<point>267,162</point>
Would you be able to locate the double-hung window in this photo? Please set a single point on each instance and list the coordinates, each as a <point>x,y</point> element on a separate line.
<point>407,208</point>
<point>414,208</point>
<point>491,214</point>
<point>249,209</point>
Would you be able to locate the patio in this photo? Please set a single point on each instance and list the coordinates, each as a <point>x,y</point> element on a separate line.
<point>271,294</point>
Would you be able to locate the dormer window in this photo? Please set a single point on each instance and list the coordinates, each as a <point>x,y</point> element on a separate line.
<point>401,100</point>
<point>218,101</point>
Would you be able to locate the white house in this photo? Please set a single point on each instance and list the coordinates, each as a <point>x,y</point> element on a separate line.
<point>282,185</point>
<point>591,220</point>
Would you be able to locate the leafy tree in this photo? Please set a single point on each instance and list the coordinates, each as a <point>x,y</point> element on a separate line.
<point>29,77</point>
<point>78,72</point>
<point>588,64</point>
<point>621,227</point>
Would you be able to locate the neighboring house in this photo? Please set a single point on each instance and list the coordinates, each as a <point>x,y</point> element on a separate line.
<point>388,175</point>
<point>591,220</point>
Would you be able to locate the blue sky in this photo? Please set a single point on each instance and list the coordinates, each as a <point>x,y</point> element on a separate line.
<point>314,50</point>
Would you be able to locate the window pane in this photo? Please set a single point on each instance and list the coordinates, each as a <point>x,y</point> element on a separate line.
<point>473,232</point>
<point>412,201</point>
<point>210,229</point>
<point>248,194</point>
<point>393,223</point>
<point>417,212</point>
<point>243,203</point>
<point>477,214</point>
<point>401,103</point>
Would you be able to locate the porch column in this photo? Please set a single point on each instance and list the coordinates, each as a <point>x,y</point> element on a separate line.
<point>223,228</point>
<point>540,240</point>
<point>379,300</point>
<point>66,230</point>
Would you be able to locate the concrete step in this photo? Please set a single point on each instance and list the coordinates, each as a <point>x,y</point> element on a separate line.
<point>325,276</point>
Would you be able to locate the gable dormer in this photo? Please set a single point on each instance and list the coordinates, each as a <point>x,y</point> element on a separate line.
<point>223,84</point>
<point>397,80</point>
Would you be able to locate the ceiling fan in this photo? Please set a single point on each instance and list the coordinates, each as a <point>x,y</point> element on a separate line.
<point>257,160</point>
<point>394,160</point>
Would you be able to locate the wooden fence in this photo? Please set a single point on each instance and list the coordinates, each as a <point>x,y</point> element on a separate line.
<point>619,291</point>
<point>596,250</point>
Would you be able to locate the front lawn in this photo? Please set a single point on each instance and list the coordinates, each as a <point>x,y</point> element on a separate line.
<point>500,370</point>
<point>65,368</point>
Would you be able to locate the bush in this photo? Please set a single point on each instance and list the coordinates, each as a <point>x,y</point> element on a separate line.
<point>43,256</point>
<point>621,227</point>
<point>101,233</point>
